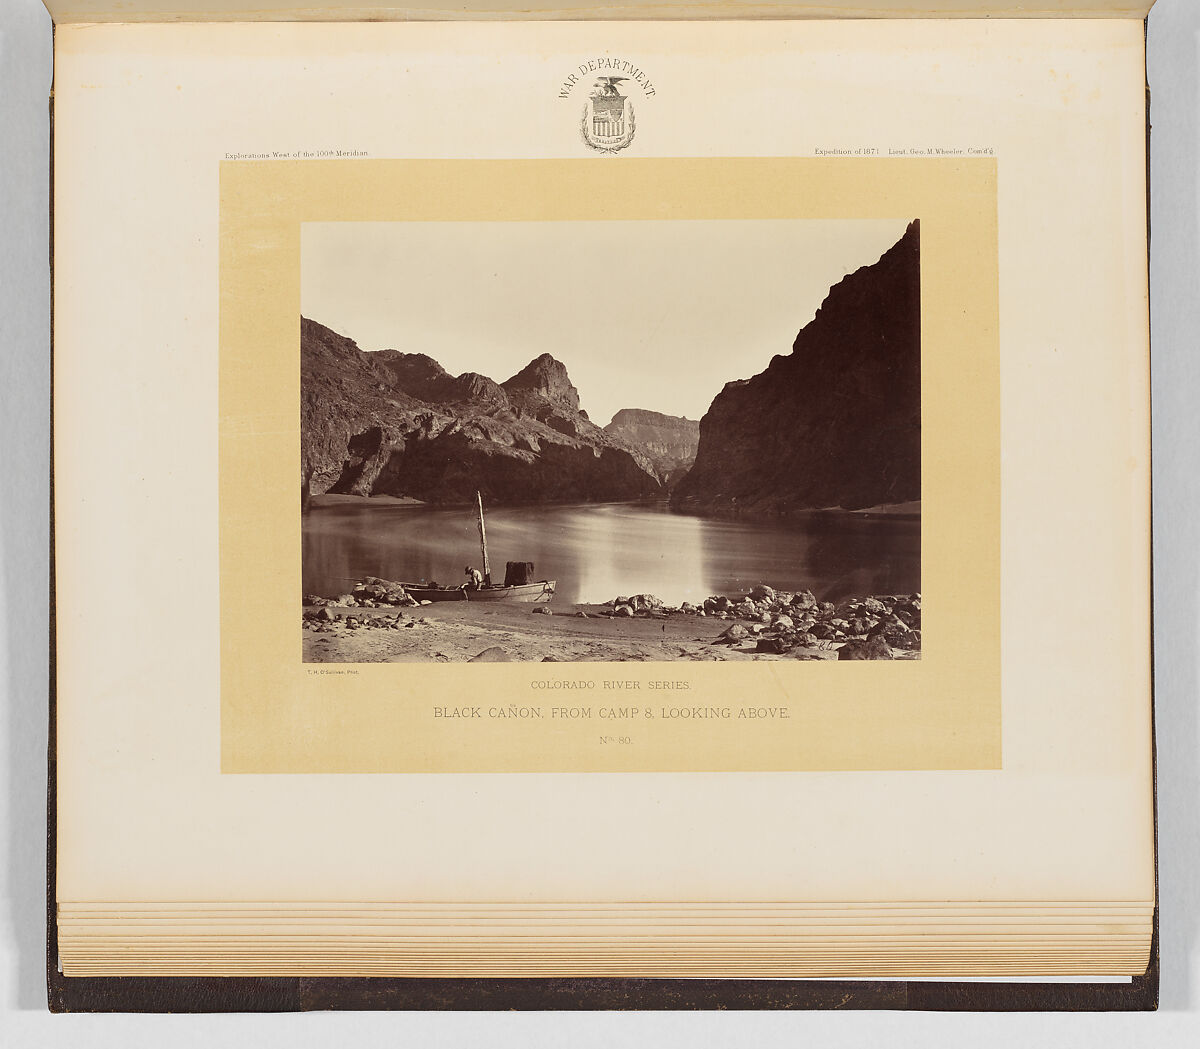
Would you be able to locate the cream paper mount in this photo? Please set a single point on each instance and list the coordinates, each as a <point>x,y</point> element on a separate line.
<point>281,715</point>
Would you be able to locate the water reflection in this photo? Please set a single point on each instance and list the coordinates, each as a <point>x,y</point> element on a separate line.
<point>598,551</point>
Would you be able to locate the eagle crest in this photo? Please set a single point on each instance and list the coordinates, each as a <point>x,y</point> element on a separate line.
<point>606,87</point>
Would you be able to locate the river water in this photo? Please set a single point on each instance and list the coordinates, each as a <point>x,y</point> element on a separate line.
<point>600,551</point>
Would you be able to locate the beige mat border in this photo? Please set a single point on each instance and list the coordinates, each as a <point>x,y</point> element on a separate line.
<point>281,715</point>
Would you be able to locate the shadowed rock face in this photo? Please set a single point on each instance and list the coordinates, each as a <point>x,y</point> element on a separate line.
<point>392,423</point>
<point>837,422</point>
<point>669,441</point>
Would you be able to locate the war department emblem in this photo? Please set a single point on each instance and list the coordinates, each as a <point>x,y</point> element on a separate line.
<point>607,123</point>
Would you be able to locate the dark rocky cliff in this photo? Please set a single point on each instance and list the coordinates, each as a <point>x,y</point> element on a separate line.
<point>837,422</point>
<point>669,441</point>
<point>392,423</point>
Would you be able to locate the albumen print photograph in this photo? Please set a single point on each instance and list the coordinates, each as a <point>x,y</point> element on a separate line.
<point>611,441</point>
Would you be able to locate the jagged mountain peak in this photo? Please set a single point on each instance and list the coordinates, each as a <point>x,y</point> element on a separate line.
<point>394,423</point>
<point>546,376</point>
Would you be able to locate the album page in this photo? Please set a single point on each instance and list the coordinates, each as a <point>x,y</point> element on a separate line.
<point>594,462</point>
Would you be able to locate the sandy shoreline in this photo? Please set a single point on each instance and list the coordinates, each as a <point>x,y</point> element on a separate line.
<point>763,625</point>
<point>456,632</point>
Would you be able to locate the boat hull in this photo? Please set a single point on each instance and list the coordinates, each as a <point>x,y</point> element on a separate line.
<point>528,593</point>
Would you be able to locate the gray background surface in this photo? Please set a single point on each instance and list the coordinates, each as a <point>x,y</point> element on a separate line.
<point>25,74</point>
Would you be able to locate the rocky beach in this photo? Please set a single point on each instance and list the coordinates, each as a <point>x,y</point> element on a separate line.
<point>379,622</point>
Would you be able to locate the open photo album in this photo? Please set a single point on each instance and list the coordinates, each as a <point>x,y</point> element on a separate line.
<point>561,496</point>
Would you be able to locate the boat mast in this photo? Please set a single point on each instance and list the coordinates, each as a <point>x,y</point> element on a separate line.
<point>487,567</point>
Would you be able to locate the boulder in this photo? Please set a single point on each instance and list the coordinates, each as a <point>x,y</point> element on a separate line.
<point>804,600</point>
<point>898,635</point>
<point>542,610</point>
<point>325,615</point>
<point>495,654</point>
<point>737,632</point>
<point>762,592</point>
<point>872,648</point>
<point>775,645</point>
<point>783,622</point>
<point>623,610</point>
<point>645,602</point>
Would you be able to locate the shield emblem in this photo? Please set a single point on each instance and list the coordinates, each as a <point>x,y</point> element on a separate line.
<point>607,124</point>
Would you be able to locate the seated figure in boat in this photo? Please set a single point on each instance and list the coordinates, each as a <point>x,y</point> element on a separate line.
<point>474,579</point>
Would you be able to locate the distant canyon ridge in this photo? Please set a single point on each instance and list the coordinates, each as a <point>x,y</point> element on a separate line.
<point>393,423</point>
<point>669,440</point>
<point>834,423</point>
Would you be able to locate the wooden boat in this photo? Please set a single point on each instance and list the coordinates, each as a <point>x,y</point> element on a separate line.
<point>522,592</point>
<point>529,593</point>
